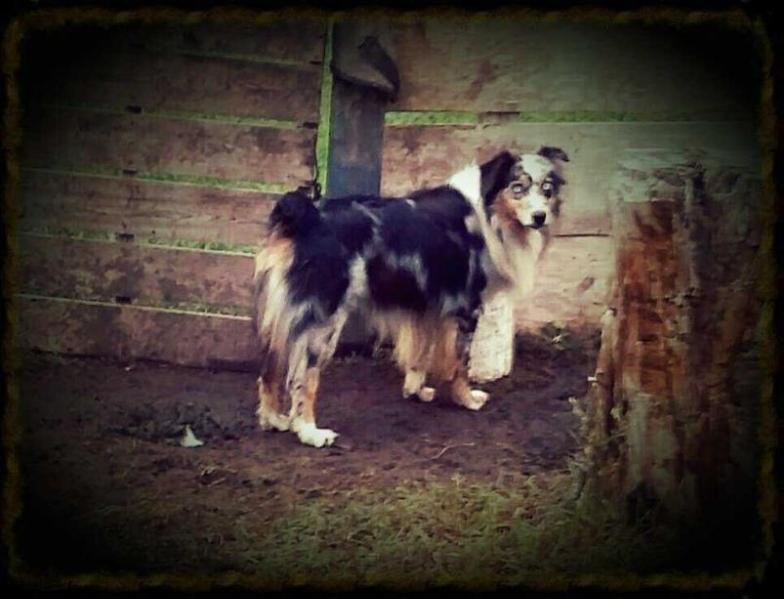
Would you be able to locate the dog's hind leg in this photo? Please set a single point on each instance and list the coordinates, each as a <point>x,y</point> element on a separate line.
<point>269,412</point>
<point>413,352</point>
<point>451,360</point>
<point>310,353</point>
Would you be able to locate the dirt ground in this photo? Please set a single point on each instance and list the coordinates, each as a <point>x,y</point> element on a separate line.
<point>104,471</point>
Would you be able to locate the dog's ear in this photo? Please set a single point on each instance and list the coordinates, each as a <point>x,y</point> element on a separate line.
<point>496,174</point>
<point>552,153</point>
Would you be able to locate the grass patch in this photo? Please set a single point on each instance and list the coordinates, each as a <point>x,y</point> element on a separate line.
<point>451,533</point>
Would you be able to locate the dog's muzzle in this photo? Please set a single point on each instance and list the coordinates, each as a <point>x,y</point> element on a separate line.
<point>538,219</point>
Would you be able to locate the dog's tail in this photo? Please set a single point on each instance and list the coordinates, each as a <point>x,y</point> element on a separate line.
<point>273,311</point>
<point>294,213</point>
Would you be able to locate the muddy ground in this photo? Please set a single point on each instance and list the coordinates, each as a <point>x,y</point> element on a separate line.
<point>108,487</point>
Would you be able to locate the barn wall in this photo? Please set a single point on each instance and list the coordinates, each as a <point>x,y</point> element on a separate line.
<point>472,88</point>
<point>151,158</point>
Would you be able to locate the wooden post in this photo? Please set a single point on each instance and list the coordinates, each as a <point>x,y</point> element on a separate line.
<point>671,414</point>
<point>365,80</point>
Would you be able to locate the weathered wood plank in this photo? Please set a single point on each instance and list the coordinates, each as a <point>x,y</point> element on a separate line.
<point>176,83</point>
<point>130,332</point>
<point>573,284</point>
<point>146,210</point>
<point>146,275</point>
<point>519,65</point>
<point>300,41</point>
<point>78,138</point>
<point>420,156</point>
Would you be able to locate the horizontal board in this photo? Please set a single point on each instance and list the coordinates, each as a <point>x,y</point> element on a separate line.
<point>130,332</point>
<point>144,209</point>
<point>573,284</point>
<point>147,275</point>
<point>419,156</point>
<point>150,82</point>
<point>525,65</point>
<point>79,138</point>
<point>293,41</point>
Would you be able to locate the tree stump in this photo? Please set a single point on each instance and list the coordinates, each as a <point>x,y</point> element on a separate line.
<point>671,415</point>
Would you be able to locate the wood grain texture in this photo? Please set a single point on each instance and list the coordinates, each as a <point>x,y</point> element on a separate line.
<point>77,138</point>
<point>421,156</point>
<point>518,65</point>
<point>673,370</point>
<point>146,210</point>
<point>300,41</point>
<point>145,275</point>
<point>573,285</point>
<point>152,82</point>
<point>129,332</point>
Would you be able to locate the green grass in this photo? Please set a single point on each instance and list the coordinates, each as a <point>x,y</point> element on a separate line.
<point>450,533</point>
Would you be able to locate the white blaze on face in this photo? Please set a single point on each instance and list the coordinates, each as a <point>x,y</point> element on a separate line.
<point>535,201</point>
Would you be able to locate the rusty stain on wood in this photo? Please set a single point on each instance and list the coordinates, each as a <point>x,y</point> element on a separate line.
<point>674,362</point>
<point>513,65</point>
<point>561,295</point>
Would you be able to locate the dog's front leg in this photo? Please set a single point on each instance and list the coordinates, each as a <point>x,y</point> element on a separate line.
<point>460,391</point>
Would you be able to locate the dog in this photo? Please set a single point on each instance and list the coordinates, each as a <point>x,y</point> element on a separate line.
<point>419,268</point>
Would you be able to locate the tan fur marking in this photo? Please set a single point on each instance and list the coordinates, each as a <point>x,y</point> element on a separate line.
<point>312,378</point>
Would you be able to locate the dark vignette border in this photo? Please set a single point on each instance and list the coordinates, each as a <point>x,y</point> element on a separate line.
<point>26,15</point>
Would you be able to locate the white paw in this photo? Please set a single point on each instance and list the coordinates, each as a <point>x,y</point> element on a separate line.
<point>478,399</point>
<point>426,394</point>
<point>316,437</point>
<point>272,421</point>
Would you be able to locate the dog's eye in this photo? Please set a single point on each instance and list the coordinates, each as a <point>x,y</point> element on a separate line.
<point>547,186</point>
<point>518,189</point>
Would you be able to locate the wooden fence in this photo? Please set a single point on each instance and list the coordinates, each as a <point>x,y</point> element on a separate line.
<point>146,149</point>
<point>152,156</point>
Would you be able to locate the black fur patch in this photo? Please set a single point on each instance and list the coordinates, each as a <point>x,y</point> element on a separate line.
<point>418,253</point>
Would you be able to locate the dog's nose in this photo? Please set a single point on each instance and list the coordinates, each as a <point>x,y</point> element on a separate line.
<point>539,218</point>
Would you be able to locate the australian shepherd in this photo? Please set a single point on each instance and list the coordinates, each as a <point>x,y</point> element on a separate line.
<point>419,268</point>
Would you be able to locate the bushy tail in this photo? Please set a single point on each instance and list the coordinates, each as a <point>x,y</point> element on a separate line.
<point>273,312</point>
<point>293,213</point>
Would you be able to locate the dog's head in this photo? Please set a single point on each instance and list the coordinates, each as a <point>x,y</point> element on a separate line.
<point>523,190</point>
